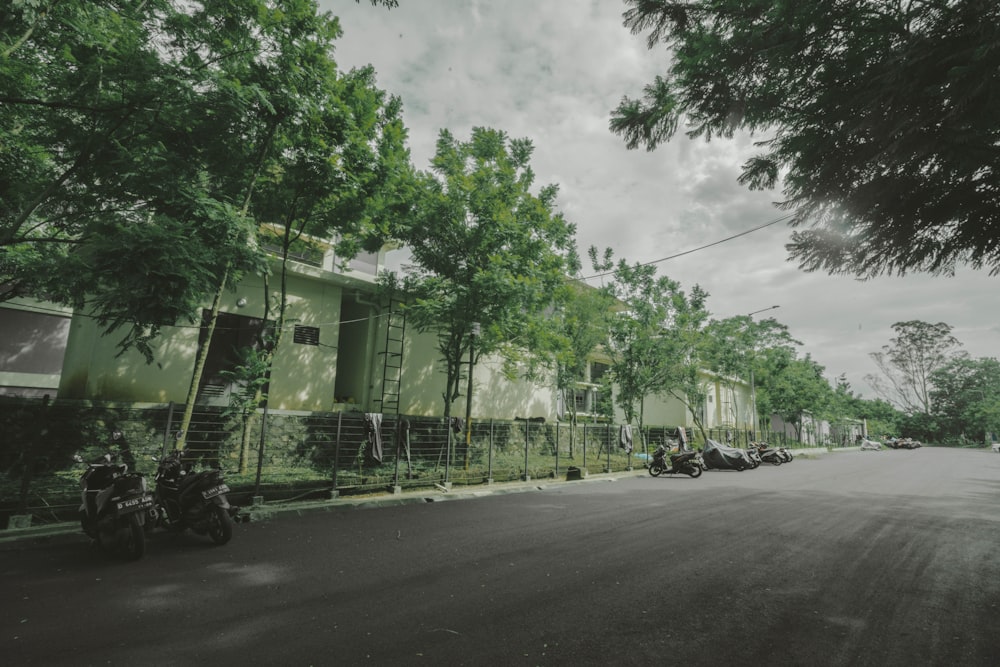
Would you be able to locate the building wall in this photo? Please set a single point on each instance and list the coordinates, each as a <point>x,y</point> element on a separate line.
<point>32,346</point>
<point>303,376</point>
<point>344,370</point>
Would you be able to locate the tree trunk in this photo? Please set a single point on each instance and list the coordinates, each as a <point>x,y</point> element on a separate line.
<point>202,358</point>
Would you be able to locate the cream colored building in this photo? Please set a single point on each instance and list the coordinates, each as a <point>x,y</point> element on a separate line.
<point>341,350</point>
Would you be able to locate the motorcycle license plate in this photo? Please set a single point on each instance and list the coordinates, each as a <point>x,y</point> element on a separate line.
<point>214,491</point>
<point>137,504</point>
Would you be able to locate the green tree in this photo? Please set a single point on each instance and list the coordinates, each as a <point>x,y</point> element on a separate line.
<point>907,365</point>
<point>654,339</point>
<point>875,116</point>
<point>108,125</point>
<point>966,398</point>
<point>732,349</point>
<point>797,391</point>
<point>485,250</point>
<point>580,328</point>
<point>330,156</point>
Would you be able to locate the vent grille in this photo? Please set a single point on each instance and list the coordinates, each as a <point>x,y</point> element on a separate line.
<point>306,335</point>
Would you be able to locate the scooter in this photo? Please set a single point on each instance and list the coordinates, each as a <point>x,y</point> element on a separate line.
<point>195,500</point>
<point>113,508</point>
<point>767,454</point>
<point>681,462</point>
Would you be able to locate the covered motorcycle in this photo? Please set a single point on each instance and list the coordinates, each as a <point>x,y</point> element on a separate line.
<point>720,457</point>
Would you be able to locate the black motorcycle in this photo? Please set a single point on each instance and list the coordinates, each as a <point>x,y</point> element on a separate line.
<point>195,500</point>
<point>682,462</point>
<point>114,506</point>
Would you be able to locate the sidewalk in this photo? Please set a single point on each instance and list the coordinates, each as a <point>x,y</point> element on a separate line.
<point>71,530</point>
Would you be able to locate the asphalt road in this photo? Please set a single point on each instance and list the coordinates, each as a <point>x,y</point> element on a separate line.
<point>863,558</point>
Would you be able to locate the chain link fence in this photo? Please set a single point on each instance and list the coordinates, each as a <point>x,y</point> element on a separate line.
<point>281,455</point>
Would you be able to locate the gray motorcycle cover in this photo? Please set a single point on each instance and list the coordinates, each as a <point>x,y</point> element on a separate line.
<point>720,456</point>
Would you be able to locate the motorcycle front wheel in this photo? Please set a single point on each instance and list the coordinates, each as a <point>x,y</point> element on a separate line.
<point>655,469</point>
<point>693,471</point>
<point>220,525</point>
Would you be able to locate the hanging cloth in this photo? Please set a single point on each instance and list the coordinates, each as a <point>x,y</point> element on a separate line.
<point>373,435</point>
<point>625,437</point>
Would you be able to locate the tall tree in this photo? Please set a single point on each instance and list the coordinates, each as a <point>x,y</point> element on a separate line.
<point>799,391</point>
<point>876,116</point>
<point>907,365</point>
<point>108,117</point>
<point>485,250</point>
<point>966,397</point>
<point>580,328</point>
<point>330,151</point>
<point>733,347</point>
<point>653,341</point>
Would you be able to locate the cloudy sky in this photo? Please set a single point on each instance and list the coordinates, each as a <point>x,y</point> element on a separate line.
<point>553,71</point>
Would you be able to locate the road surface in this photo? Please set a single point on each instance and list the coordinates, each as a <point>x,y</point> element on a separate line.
<point>861,558</point>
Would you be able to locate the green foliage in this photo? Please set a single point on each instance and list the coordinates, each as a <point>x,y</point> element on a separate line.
<point>485,249</point>
<point>579,327</point>
<point>798,389</point>
<point>125,153</point>
<point>908,364</point>
<point>966,398</point>
<point>877,115</point>
<point>733,349</point>
<point>653,340</point>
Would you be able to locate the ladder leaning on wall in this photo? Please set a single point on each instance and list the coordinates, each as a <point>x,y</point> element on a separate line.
<point>392,357</point>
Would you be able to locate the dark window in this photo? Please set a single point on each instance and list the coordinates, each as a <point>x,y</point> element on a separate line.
<point>597,371</point>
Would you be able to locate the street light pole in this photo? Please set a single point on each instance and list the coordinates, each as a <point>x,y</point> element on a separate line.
<point>753,385</point>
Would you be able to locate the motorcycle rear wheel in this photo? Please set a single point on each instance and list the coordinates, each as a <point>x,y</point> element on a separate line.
<point>655,469</point>
<point>220,525</point>
<point>134,543</point>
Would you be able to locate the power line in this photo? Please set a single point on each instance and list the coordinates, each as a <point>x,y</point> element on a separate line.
<point>693,250</point>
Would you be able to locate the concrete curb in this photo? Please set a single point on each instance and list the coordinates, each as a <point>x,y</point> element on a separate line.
<point>11,537</point>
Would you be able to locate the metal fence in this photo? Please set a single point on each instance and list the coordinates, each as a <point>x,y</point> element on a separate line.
<point>284,455</point>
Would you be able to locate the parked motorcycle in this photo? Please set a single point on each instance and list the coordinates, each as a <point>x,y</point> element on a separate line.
<point>113,506</point>
<point>755,460</point>
<point>768,454</point>
<point>682,462</point>
<point>195,500</point>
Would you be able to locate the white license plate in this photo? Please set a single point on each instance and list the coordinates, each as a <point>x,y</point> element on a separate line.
<point>134,504</point>
<point>214,491</point>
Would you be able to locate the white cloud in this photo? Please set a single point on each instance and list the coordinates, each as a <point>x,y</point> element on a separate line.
<point>553,71</point>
